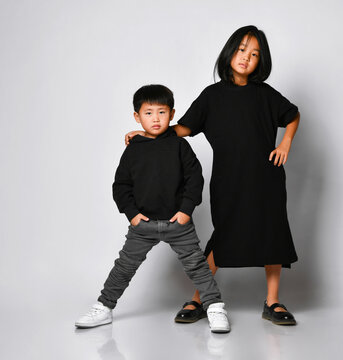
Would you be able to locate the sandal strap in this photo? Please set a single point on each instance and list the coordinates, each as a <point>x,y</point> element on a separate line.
<point>194,303</point>
<point>275,305</point>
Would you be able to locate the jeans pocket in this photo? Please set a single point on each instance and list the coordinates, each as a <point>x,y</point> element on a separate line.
<point>134,226</point>
<point>141,222</point>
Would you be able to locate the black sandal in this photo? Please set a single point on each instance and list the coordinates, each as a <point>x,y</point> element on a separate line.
<point>277,317</point>
<point>190,316</point>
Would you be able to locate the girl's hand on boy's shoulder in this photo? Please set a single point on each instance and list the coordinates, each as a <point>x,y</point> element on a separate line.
<point>137,219</point>
<point>180,217</point>
<point>281,153</point>
<point>131,134</point>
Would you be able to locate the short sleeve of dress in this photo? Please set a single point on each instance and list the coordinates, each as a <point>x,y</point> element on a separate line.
<point>284,109</point>
<point>195,116</point>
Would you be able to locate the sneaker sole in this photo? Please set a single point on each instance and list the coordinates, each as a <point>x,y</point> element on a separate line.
<point>220,331</point>
<point>88,326</point>
<point>282,322</point>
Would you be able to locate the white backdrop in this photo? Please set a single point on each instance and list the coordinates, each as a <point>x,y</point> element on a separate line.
<point>69,69</point>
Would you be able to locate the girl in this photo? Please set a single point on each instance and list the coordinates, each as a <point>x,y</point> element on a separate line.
<point>239,116</point>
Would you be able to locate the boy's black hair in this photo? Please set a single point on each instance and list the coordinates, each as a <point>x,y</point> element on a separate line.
<point>264,67</point>
<point>153,94</point>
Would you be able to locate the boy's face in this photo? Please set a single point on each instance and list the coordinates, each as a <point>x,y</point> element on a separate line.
<point>154,118</point>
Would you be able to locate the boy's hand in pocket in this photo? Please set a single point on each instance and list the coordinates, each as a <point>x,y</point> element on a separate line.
<point>136,220</point>
<point>180,217</point>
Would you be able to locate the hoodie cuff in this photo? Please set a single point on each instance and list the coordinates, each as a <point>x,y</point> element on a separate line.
<point>131,212</point>
<point>187,206</point>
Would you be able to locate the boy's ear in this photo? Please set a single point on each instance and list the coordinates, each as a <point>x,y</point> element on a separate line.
<point>172,113</point>
<point>136,116</point>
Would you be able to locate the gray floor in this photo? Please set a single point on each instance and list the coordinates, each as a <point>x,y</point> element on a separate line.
<point>152,334</point>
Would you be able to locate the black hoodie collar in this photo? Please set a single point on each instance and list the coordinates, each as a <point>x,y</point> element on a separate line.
<point>139,138</point>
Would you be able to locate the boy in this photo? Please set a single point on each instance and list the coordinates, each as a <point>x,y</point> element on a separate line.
<point>157,185</point>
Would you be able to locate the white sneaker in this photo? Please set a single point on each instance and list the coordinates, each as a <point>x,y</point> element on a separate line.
<point>217,318</point>
<point>98,315</point>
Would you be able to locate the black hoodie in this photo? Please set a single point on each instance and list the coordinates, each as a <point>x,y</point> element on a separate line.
<point>158,177</point>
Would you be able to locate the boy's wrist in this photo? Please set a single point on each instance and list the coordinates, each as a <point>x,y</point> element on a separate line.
<point>131,213</point>
<point>187,207</point>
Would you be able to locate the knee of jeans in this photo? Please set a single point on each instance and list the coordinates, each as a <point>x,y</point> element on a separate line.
<point>193,260</point>
<point>130,259</point>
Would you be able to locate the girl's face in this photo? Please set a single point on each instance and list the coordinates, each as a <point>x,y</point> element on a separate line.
<point>245,59</point>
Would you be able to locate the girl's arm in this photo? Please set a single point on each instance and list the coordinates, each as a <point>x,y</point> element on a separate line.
<point>181,130</point>
<point>131,134</point>
<point>281,152</point>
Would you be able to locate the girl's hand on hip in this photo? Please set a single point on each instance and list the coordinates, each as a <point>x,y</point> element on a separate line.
<point>281,153</point>
<point>131,134</point>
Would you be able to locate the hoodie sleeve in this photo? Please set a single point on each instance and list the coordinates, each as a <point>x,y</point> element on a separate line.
<point>122,188</point>
<point>193,179</point>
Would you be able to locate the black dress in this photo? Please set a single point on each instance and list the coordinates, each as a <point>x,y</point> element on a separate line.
<point>247,191</point>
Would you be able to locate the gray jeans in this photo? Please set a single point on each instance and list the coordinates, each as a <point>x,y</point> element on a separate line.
<point>139,241</point>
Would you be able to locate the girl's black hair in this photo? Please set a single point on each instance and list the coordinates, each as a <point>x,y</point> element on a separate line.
<point>264,67</point>
<point>153,94</point>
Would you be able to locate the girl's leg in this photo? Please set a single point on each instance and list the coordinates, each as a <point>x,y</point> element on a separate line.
<point>273,273</point>
<point>214,269</point>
